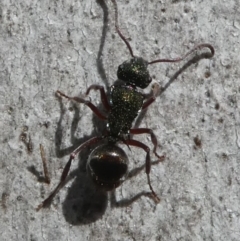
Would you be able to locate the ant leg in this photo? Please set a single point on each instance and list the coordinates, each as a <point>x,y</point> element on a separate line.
<point>139,144</point>
<point>103,95</point>
<point>95,110</point>
<point>148,102</point>
<point>66,169</point>
<point>156,90</point>
<point>153,139</point>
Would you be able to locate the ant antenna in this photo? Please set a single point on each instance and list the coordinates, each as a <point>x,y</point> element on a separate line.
<point>200,46</point>
<point>118,30</point>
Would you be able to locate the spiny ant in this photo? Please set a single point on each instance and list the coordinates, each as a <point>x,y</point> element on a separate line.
<point>108,164</point>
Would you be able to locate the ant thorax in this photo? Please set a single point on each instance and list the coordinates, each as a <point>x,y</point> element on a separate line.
<point>126,102</point>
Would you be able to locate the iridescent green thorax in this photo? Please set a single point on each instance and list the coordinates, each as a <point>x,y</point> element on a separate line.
<point>126,103</point>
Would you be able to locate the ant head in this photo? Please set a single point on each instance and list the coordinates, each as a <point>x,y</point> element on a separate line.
<point>134,72</point>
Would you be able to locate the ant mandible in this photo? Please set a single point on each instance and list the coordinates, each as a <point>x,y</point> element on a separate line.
<point>108,164</point>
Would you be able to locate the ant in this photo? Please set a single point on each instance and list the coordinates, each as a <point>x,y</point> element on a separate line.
<point>108,164</point>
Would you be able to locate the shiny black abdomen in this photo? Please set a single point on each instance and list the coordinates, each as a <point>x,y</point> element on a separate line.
<point>126,102</point>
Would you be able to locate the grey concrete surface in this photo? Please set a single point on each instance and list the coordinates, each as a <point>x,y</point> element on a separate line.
<point>69,45</point>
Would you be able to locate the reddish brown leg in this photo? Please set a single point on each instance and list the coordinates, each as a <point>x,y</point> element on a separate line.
<point>95,110</point>
<point>139,144</point>
<point>102,93</point>
<point>155,92</point>
<point>148,102</point>
<point>153,139</point>
<point>66,169</point>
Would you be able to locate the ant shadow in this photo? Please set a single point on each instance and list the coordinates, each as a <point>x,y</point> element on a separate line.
<point>99,60</point>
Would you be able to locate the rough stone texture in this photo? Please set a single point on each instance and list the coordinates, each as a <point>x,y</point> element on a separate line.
<point>69,45</point>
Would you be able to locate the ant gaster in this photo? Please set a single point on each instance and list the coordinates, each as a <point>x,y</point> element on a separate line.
<point>108,164</point>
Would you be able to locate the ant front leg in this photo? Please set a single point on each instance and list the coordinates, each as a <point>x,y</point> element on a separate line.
<point>153,139</point>
<point>94,109</point>
<point>139,144</point>
<point>156,90</point>
<point>66,169</point>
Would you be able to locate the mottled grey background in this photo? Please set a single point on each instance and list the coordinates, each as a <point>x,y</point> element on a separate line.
<point>69,45</point>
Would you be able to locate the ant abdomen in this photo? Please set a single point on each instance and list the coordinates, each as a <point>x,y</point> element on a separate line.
<point>108,166</point>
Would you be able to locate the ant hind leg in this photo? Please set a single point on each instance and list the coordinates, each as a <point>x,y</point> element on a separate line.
<point>138,131</point>
<point>139,144</point>
<point>66,169</point>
